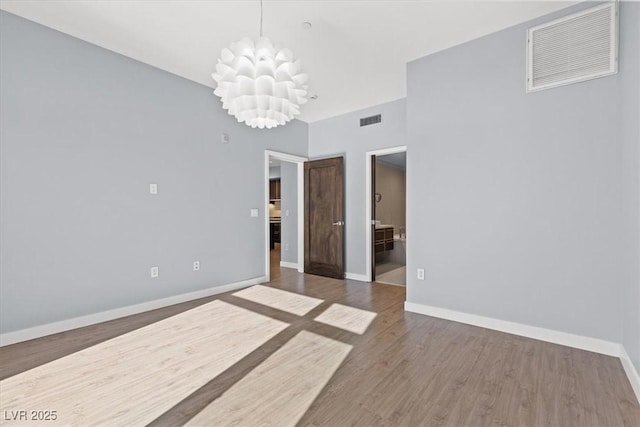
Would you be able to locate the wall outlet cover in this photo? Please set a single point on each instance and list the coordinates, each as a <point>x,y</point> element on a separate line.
<point>421,274</point>
<point>196,265</point>
<point>155,272</point>
<point>153,188</point>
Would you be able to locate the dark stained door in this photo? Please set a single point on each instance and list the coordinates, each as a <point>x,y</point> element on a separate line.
<point>324,217</point>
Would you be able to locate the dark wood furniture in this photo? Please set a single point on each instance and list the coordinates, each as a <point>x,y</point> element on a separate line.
<point>275,234</point>
<point>274,189</point>
<point>384,238</point>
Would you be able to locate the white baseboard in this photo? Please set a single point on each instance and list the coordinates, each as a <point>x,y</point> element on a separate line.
<point>285,264</point>
<point>91,319</point>
<point>631,372</point>
<point>557,337</point>
<point>354,276</point>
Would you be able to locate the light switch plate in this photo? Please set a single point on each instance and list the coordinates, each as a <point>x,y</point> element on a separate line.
<point>254,212</point>
<point>153,188</point>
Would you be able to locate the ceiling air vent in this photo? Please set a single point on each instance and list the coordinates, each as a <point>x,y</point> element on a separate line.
<point>371,120</point>
<point>574,48</point>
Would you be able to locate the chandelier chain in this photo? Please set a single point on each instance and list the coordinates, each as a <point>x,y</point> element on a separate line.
<point>260,18</point>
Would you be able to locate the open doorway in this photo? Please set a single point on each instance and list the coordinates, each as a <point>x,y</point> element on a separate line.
<point>284,237</point>
<point>387,235</point>
<point>275,214</point>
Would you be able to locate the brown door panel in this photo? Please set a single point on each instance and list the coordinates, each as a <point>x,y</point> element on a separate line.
<point>324,217</point>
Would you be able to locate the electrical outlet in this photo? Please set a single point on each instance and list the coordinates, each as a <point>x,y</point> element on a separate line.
<point>155,272</point>
<point>153,188</point>
<point>254,212</point>
<point>421,274</point>
<point>196,265</point>
<point>286,247</point>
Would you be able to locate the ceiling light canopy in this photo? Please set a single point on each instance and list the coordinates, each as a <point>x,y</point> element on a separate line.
<point>260,83</point>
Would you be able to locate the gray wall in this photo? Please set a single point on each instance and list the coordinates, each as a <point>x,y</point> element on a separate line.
<point>343,135</point>
<point>391,184</point>
<point>289,202</point>
<point>515,200</point>
<point>83,133</point>
<point>629,91</point>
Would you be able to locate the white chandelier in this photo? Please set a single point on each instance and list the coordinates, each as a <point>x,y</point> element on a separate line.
<point>260,83</point>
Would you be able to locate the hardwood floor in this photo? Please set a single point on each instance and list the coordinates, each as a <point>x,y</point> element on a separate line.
<point>136,377</point>
<point>275,257</point>
<point>403,369</point>
<point>295,374</point>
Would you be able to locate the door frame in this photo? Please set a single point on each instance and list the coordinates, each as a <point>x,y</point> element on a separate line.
<point>299,161</point>
<point>368,205</point>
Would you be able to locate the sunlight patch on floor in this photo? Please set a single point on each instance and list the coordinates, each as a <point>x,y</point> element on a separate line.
<point>136,377</point>
<point>348,318</point>
<point>279,391</point>
<point>282,300</point>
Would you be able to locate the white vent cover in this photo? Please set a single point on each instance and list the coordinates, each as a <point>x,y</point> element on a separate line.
<point>574,48</point>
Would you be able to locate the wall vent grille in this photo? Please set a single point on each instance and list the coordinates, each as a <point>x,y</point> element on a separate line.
<point>371,120</point>
<point>575,48</point>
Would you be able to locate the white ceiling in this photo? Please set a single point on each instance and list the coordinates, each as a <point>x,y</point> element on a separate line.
<point>355,54</point>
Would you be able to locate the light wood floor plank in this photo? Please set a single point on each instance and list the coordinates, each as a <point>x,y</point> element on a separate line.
<point>281,389</point>
<point>134,378</point>
<point>348,318</point>
<point>281,300</point>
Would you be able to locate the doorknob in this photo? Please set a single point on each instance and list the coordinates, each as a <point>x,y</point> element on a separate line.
<point>338,223</point>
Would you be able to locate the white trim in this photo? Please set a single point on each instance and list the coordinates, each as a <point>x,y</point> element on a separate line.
<point>285,264</point>
<point>104,316</point>
<point>267,229</point>
<point>284,157</point>
<point>549,335</point>
<point>368,184</point>
<point>301,217</point>
<point>631,372</point>
<point>355,276</point>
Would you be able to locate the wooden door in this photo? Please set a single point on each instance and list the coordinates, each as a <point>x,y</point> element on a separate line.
<point>324,217</point>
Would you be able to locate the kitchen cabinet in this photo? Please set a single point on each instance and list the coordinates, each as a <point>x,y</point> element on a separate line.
<point>274,189</point>
<point>384,238</point>
<point>275,234</point>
